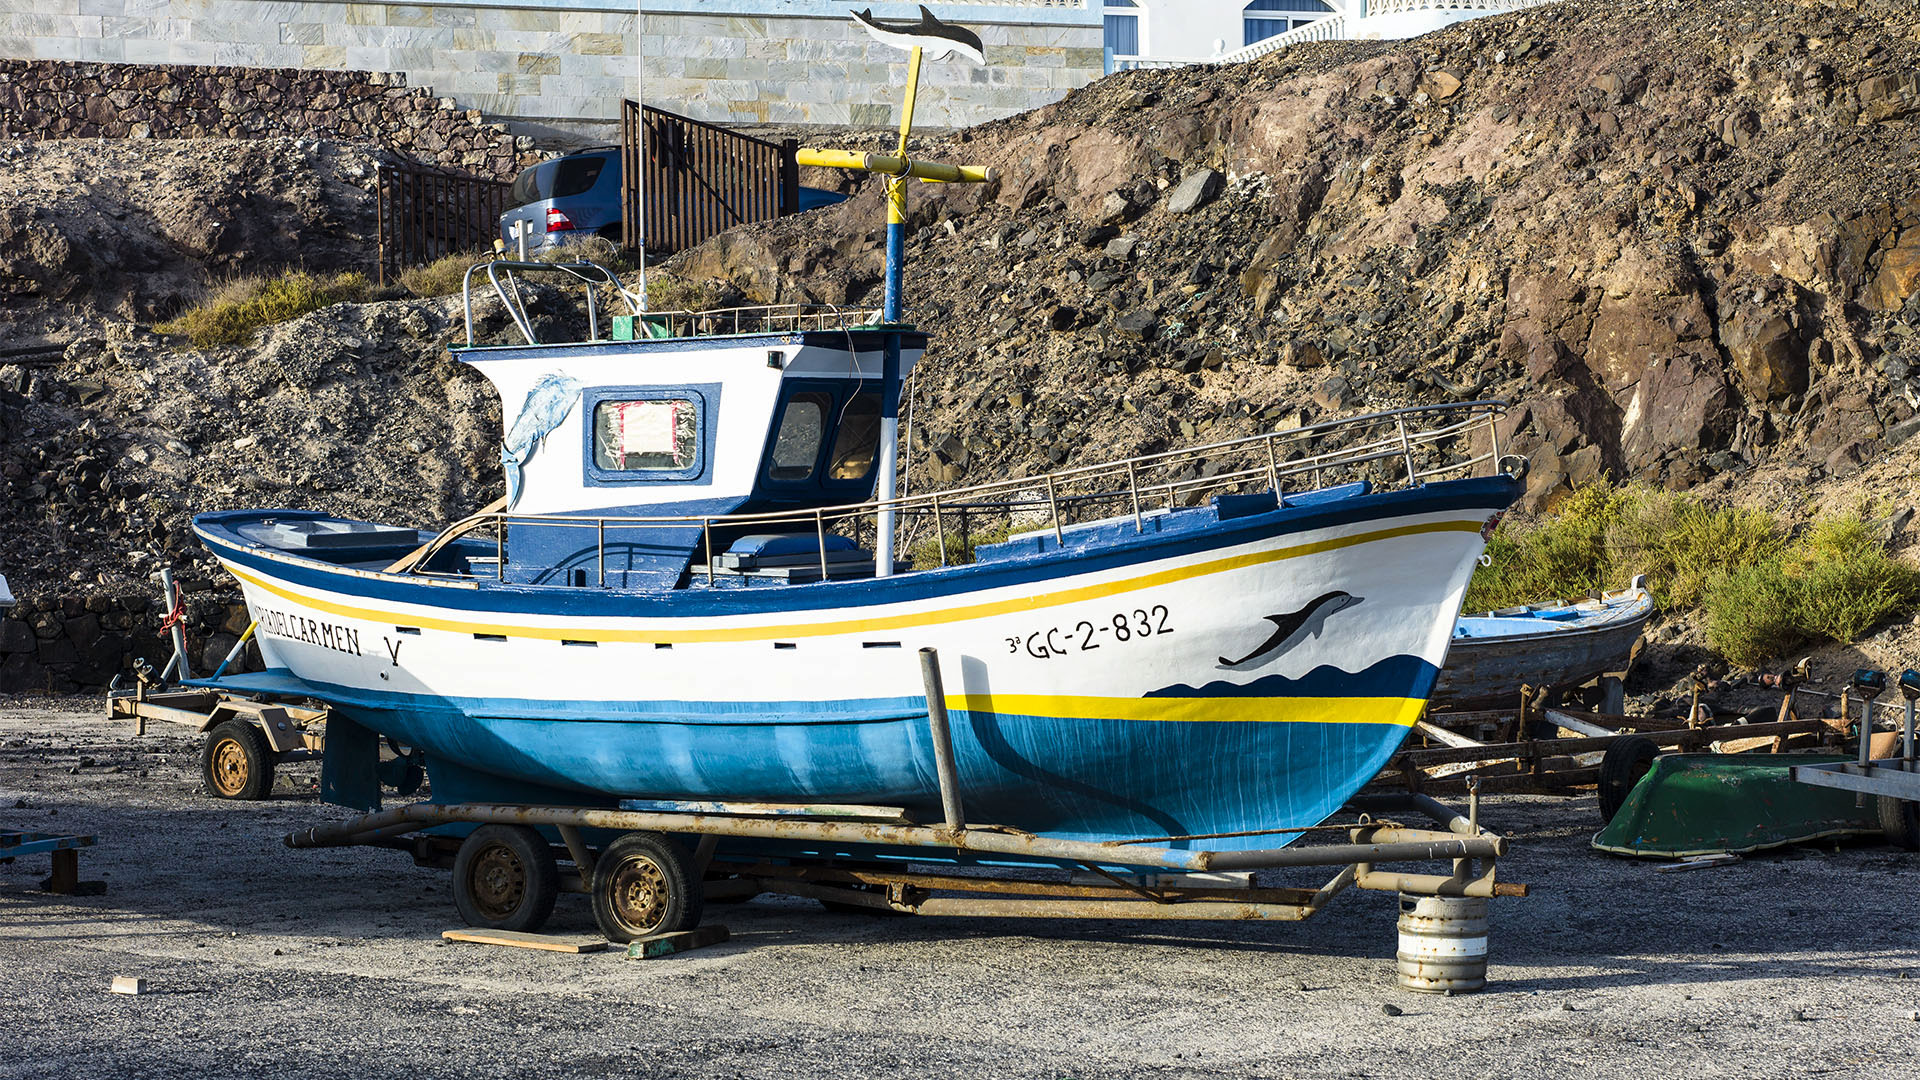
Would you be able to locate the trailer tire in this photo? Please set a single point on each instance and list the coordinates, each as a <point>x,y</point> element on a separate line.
<point>643,885</point>
<point>1625,763</point>
<point>1900,820</point>
<point>236,762</point>
<point>504,878</point>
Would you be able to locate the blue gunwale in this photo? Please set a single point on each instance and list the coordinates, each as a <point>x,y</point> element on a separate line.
<point>219,530</point>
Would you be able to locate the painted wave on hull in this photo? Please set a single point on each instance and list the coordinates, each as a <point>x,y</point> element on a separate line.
<point>1394,676</point>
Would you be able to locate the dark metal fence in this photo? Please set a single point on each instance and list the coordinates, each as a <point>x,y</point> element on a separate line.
<point>428,214</point>
<point>700,179</point>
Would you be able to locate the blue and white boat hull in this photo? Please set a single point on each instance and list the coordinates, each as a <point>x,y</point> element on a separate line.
<point>1240,674</point>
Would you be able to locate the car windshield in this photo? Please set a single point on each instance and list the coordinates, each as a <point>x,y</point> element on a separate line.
<point>558,179</point>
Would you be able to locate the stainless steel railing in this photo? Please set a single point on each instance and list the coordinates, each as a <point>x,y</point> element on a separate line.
<point>1397,448</point>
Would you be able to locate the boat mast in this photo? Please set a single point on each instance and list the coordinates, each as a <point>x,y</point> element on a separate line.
<point>943,40</point>
<point>641,159</point>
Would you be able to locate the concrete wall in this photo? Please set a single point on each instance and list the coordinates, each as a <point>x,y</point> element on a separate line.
<point>569,64</point>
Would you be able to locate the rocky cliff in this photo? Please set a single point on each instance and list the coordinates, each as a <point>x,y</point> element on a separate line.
<point>1683,235</point>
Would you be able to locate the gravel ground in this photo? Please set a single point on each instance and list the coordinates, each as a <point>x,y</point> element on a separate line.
<point>329,963</point>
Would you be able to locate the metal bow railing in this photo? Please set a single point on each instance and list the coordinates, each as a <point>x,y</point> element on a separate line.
<point>1395,448</point>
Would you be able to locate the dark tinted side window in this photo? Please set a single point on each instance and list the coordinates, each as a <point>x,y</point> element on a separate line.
<point>802,424</point>
<point>557,179</point>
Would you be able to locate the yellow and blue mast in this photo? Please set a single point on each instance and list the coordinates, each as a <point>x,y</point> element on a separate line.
<point>941,39</point>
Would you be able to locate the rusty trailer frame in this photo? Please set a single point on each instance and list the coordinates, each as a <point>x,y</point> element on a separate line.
<point>1167,882</point>
<point>1515,764</point>
<point>1145,878</point>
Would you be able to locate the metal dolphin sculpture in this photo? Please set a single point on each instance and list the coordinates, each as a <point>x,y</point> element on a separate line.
<point>547,404</point>
<point>937,40</point>
<point>1295,627</point>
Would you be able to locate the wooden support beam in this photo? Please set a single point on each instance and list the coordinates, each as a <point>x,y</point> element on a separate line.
<point>518,939</point>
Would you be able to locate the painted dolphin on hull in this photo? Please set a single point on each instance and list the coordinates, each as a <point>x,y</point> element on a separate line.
<point>935,39</point>
<point>1295,627</point>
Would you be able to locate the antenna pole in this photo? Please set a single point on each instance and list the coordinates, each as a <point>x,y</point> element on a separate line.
<point>641,159</point>
<point>887,483</point>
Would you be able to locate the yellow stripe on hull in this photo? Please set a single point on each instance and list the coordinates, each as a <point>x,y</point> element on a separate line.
<point>1393,711</point>
<point>863,625</point>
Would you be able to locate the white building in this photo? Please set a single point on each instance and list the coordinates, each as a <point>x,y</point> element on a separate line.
<point>1168,33</point>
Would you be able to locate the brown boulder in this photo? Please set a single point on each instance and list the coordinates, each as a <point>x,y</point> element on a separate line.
<point>1766,352</point>
<point>1899,274</point>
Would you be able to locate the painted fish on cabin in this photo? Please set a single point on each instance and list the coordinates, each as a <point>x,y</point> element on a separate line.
<point>1295,627</point>
<point>547,404</point>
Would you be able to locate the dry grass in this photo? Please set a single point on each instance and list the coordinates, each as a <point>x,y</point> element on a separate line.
<point>442,277</point>
<point>234,310</point>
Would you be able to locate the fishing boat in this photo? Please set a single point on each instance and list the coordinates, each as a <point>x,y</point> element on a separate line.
<point>1553,645</point>
<point>703,583</point>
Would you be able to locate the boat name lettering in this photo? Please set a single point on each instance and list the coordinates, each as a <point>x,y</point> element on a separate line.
<point>1087,634</point>
<point>298,628</point>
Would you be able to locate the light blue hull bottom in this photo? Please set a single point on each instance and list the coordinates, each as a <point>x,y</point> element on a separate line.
<point>1071,778</point>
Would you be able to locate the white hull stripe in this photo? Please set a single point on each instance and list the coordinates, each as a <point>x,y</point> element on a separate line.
<point>865,624</point>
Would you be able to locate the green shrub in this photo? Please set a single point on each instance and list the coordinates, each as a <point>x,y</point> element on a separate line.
<point>232,312</point>
<point>1761,593</point>
<point>671,292</point>
<point>1752,614</point>
<point>925,553</point>
<point>1847,581</point>
<point>1684,546</point>
<point>1559,556</point>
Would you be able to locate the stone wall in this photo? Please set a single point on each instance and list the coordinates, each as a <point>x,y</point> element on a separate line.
<point>69,643</point>
<point>49,99</point>
<point>569,65</point>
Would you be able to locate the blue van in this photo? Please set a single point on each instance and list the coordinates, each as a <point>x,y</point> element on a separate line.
<point>577,196</point>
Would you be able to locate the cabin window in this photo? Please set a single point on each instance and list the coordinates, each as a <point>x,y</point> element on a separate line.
<point>659,433</point>
<point>803,423</point>
<point>859,437</point>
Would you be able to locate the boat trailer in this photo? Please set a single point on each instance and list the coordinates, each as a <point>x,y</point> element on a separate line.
<point>658,863</point>
<point>1893,781</point>
<point>650,866</point>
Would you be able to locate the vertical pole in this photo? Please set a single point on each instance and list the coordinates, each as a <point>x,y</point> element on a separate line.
<point>640,106</point>
<point>168,593</point>
<point>943,762</point>
<point>1907,738</point>
<point>1133,490</point>
<point>887,481</point>
<point>1866,732</point>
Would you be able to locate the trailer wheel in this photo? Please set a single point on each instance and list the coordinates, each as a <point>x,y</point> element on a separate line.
<point>236,762</point>
<point>504,878</point>
<point>643,885</point>
<point>1900,820</point>
<point>1625,763</point>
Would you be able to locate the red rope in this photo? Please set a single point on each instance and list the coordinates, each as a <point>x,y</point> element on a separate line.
<point>176,617</point>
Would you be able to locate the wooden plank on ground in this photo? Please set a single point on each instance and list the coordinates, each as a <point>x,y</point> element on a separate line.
<point>652,948</point>
<point>520,939</point>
